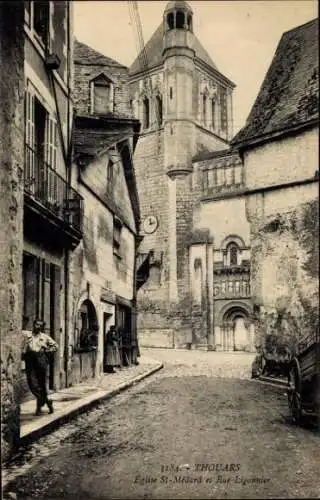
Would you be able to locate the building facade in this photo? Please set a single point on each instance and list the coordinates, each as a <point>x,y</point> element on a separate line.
<point>11,217</point>
<point>52,207</point>
<point>279,146</point>
<point>103,267</point>
<point>185,107</point>
<point>219,194</point>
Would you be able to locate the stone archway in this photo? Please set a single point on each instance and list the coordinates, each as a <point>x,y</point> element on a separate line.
<point>235,329</point>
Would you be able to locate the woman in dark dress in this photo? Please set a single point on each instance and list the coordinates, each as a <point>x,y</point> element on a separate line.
<point>112,357</point>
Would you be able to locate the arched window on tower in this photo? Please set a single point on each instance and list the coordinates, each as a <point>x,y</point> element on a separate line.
<point>204,109</point>
<point>159,111</point>
<point>170,21</point>
<point>232,254</point>
<point>180,23</point>
<point>213,113</point>
<point>146,113</point>
<point>197,282</point>
<point>190,22</point>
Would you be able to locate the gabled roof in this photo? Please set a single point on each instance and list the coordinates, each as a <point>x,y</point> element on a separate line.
<point>83,54</point>
<point>288,97</point>
<point>153,53</point>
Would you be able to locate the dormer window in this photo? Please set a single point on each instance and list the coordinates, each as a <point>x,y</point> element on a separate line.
<point>101,95</point>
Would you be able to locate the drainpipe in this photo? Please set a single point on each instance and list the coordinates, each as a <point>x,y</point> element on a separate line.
<point>134,295</point>
<point>68,166</point>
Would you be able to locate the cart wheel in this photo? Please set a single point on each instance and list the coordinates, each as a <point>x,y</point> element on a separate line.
<point>294,391</point>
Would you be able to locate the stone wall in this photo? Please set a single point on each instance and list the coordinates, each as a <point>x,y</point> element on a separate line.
<point>285,238</point>
<point>11,206</point>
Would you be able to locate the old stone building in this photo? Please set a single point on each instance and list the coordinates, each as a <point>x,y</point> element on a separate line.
<point>191,192</point>
<point>11,216</point>
<point>279,145</point>
<point>103,267</point>
<point>52,207</point>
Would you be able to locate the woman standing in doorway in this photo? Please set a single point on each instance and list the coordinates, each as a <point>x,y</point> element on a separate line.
<point>112,357</point>
<point>36,347</point>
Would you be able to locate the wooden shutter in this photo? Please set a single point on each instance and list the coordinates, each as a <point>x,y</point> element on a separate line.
<point>29,137</point>
<point>51,158</point>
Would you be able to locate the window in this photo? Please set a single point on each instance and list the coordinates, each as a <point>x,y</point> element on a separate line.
<point>146,113</point>
<point>223,109</point>
<point>117,227</point>
<point>27,12</point>
<point>238,174</point>
<point>213,113</point>
<point>220,177</point>
<point>170,92</point>
<point>204,108</point>
<point>159,109</point>
<point>101,95</point>
<point>170,21</point>
<point>41,20</point>
<point>180,19</point>
<point>190,22</point>
<point>110,171</point>
<point>40,150</point>
<point>233,255</point>
<point>229,176</point>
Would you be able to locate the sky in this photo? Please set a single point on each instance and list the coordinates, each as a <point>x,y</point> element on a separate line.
<point>240,36</point>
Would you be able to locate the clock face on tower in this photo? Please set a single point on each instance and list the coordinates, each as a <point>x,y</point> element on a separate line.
<point>150,224</point>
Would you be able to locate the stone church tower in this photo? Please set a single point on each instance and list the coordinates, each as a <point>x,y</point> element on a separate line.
<point>185,107</point>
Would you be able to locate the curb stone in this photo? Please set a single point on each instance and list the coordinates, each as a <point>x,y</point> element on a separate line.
<point>93,401</point>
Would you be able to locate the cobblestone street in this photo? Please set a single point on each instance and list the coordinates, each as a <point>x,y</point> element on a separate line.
<point>154,440</point>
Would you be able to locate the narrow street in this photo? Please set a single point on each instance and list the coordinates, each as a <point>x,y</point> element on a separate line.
<point>186,432</point>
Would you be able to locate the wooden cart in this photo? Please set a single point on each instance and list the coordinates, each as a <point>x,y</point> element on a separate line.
<point>304,379</point>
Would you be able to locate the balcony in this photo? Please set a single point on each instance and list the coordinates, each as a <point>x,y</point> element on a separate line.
<point>48,196</point>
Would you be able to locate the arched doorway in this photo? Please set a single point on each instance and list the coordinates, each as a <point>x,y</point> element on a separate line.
<point>86,343</point>
<point>235,329</point>
<point>87,326</point>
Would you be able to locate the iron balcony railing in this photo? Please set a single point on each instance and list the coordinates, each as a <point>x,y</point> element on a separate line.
<point>46,186</point>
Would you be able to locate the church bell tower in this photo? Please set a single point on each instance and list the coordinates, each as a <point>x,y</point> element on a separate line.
<point>178,63</point>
